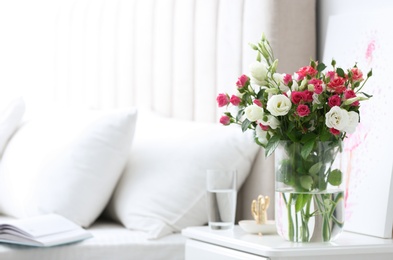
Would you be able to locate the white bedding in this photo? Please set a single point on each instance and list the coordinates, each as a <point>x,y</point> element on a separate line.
<point>110,241</point>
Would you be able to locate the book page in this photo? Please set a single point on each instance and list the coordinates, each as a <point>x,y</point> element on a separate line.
<point>40,225</point>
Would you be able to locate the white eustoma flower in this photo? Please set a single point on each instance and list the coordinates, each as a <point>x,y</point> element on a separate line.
<point>270,120</point>
<point>352,122</point>
<point>279,79</point>
<point>261,135</point>
<point>315,99</point>
<point>337,118</point>
<point>295,86</point>
<point>254,113</point>
<point>279,105</point>
<point>258,73</point>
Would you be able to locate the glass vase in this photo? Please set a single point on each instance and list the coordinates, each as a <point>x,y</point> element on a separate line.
<point>309,200</point>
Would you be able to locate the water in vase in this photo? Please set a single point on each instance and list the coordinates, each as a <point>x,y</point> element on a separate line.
<point>309,217</point>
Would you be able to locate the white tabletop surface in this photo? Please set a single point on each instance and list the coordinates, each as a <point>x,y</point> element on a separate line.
<point>274,245</point>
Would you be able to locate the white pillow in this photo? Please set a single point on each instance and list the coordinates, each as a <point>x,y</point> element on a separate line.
<point>67,163</point>
<point>10,119</point>
<point>163,187</point>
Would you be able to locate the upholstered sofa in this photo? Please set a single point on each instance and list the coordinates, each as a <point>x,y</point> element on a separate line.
<point>118,120</point>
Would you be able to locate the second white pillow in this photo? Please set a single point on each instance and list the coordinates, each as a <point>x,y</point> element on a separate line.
<point>67,163</point>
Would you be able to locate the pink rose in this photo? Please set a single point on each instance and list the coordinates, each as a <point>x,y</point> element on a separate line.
<point>235,100</point>
<point>337,85</point>
<point>225,120</point>
<point>306,71</point>
<point>222,100</point>
<point>257,102</point>
<point>307,96</point>
<point>331,75</point>
<point>349,93</point>
<point>334,131</point>
<point>317,83</point>
<point>318,89</point>
<point>303,110</point>
<point>297,97</point>
<point>241,81</point>
<point>334,101</point>
<point>287,79</point>
<point>357,74</point>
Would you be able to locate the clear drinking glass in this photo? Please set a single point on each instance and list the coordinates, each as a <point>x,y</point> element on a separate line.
<point>221,198</point>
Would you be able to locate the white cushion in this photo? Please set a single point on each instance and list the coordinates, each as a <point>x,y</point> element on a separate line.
<point>163,188</point>
<point>10,119</point>
<point>67,163</point>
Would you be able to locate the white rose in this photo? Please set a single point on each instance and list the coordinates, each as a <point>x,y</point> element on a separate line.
<point>279,105</point>
<point>261,135</point>
<point>253,113</point>
<point>258,73</point>
<point>337,118</point>
<point>270,121</point>
<point>352,122</point>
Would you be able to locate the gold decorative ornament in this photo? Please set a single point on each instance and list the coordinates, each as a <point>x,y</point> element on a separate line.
<point>259,209</point>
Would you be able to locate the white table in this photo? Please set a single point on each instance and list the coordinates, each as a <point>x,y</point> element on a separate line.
<point>205,244</point>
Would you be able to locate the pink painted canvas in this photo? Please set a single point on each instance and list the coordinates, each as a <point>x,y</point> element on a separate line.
<point>367,160</point>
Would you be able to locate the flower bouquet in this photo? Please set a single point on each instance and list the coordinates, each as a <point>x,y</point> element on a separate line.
<point>306,116</point>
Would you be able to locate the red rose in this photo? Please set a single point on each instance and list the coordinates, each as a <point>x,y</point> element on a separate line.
<point>241,81</point>
<point>235,100</point>
<point>334,101</point>
<point>222,100</point>
<point>303,110</point>
<point>337,85</point>
<point>334,131</point>
<point>297,96</point>
<point>307,96</point>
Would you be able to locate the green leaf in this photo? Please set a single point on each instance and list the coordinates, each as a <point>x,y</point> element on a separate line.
<point>272,145</point>
<point>301,201</point>
<point>293,137</point>
<point>321,67</point>
<point>246,123</point>
<point>306,182</point>
<point>307,148</point>
<point>260,94</point>
<point>309,137</point>
<point>367,95</point>
<point>315,168</point>
<point>370,73</point>
<point>340,72</point>
<point>335,177</point>
<point>240,114</point>
<point>325,135</point>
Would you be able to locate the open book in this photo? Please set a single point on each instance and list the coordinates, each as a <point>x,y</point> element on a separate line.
<point>43,231</point>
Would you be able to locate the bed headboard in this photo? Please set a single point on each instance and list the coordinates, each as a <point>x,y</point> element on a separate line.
<point>170,56</point>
